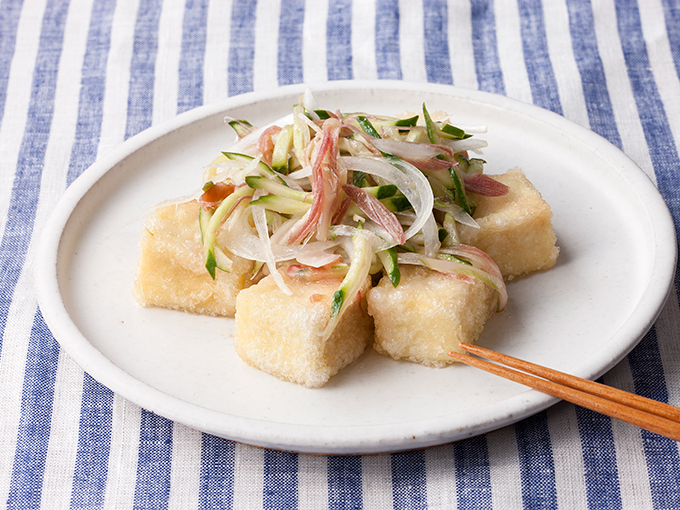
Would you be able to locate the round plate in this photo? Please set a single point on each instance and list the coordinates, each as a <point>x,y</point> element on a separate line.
<point>613,275</point>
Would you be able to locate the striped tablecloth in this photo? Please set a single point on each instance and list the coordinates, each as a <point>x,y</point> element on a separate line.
<point>78,77</point>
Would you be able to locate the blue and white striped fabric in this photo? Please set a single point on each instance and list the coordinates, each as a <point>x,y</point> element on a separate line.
<point>78,77</point>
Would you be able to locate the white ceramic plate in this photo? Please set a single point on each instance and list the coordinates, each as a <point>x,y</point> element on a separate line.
<point>613,275</point>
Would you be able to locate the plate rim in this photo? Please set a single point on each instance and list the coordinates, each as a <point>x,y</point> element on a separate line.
<point>325,440</point>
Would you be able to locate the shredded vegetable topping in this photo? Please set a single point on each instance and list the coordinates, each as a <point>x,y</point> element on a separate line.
<point>326,194</point>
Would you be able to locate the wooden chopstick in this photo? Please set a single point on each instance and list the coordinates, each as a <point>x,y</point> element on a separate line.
<point>645,413</point>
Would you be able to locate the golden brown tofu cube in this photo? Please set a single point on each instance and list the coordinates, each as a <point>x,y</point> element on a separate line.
<point>427,315</point>
<point>515,229</point>
<point>171,269</point>
<point>283,335</point>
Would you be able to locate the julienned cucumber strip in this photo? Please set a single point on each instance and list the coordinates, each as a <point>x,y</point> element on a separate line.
<point>262,167</point>
<point>358,270</point>
<point>459,190</point>
<point>213,225</point>
<point>282,204</point>
<point>281,149</point>
<point>389,261</point>
<point>367,126</point>
<point>241,127</point>
<point>276,188</point>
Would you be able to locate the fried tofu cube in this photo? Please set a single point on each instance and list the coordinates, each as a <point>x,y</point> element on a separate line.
<point>427,315</point>
<point>171,269</point>
<point>515,230</point>
<point>284,335</point>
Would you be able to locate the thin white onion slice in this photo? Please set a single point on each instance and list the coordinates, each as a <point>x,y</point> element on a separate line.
<point>410,181</point>
<point>260,219</point>
<point>252,138</point>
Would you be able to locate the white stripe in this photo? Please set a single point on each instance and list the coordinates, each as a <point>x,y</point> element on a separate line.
<point>17,99</point>
<point>265,69</point>
<point>123,454</point>
<point>363,41</point>
<point>461,51</point>
<point>506,481</point>
<point>216,61</point>
<point>118,76</point>
<point>314,65</point>
<point>661,60</point>
<point>376,481</point>
<point>166,68</point>
<point>248,477</point>
<point>185,474</point>
<point>560,49</point>
<point>63,446</point>
<point>312,482</point>
<point>441,480</point>
<point>412,41</point>
<point>618,84</point>
<point>567,456</point>
<point>510,51</point>
<point>668,332</point>
<point>630,458</point>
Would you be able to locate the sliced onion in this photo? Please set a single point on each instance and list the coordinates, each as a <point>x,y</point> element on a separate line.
<point>260,219</point>
<point>410,181</point>
<point>467,144</point>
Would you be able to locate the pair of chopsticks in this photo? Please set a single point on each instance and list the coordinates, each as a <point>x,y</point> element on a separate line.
<point>643,412</point>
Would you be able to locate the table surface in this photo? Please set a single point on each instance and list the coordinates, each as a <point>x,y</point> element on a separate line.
<point>78,78</point>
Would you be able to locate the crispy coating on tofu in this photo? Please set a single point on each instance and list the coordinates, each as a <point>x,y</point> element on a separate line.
<point>427,315</point>
<point>283,335</point>
<point>171,269</point>
<point>515,229</point>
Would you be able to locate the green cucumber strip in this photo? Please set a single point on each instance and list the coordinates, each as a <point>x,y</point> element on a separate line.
<point>459,190</point>
<point>385,191</point>
<point>281,204</point>
<point>216,219</point>
<point>241,127</point>
<point>430,125</point>
<point>367,126</point>
<point>203,222</point>
<point>207,185</point>
<point>281,149</point>
<point>323,114</point>
<point>443,234</point>
<point>455,133</point>
<point>411,121</point>
<point>389,261</point>
<point>262,167</point>
<point>359,179</point>
<point>276,188</point>
<point>453,258</point>
<point>397,203</point>
<point>357,271</point>
<point>452,230</point>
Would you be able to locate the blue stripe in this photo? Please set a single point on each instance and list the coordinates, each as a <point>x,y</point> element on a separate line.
<point>190,73</point>
<point>142,66</point>
<point>599,459</point>
<point>280,484</point>
<point>436,33</point>
<point>345,483</point>
<point>339,40</point>
<point>473,473</point>
<point>408,480</point>
<point>242,47</point>
<point>661,453</point>
<point>216,491</point>
<point>152,488</point>
<point>26,186</point>
<point>589,63</point>
<point>33,435</point>
<point>387,56</point>
<point>671,9</point>
<point>290,42</point>
<point>10,10</point>
<point>92,83</point>
<point>539,68</point>
<point>537,469</point>
<point>94,444</point>
<point>485,49</point>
